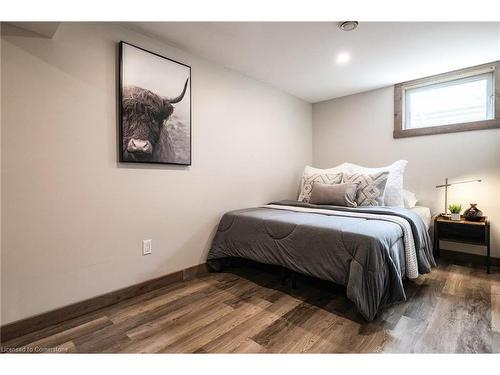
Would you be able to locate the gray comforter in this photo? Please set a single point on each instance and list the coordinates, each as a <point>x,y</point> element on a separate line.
<point>365,255</point>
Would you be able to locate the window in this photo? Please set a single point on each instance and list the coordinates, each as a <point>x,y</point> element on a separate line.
<point>453,102</point>
<point>457,101</point>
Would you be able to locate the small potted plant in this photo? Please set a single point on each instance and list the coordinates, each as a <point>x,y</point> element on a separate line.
<point>455,211</point>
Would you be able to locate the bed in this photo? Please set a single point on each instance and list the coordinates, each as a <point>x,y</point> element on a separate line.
<point>369,250</point>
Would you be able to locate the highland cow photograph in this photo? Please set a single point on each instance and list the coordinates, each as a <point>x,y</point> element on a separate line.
<point>155,118</point>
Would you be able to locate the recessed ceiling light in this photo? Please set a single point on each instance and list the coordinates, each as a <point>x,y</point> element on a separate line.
<point>343,58</point>
<point>348,25</point>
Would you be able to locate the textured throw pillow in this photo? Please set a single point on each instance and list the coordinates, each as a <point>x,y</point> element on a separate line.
<point>410,199</point>
<point>336,195</point>
<point>309,179</point>
<point>309,171</point>
<point>394,188</point>
<point>371,187</point>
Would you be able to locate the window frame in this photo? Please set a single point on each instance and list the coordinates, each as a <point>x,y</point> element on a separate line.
<point>400,98</point>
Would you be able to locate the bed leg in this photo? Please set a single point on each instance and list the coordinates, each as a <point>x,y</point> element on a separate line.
<point>294,280</point>
<point>283,276</point>
<point>215,265</point>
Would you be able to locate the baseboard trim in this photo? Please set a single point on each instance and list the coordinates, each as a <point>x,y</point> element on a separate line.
<point>24,326</point>
<point>467,257</point>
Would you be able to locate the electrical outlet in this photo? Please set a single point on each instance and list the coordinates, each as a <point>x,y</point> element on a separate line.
<point>147,247</point>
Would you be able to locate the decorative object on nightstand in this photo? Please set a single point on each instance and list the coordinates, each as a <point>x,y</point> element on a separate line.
<point>473,213</point>
<point>455,211</point>
<point>446,184</point>
<point>463,231</point>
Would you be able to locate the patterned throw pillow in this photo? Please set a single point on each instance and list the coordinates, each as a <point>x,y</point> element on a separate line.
<point>308,181</point>
<point>371,187</point>
<point>393,195</point>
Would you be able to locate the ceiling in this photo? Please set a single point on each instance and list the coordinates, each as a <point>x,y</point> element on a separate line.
<point>38,29</point>
<point>300,57</point>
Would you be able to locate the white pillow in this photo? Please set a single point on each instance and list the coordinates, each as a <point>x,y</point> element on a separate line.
<point>308,170</point>
<point>393,195</point>
<point>409,198</point>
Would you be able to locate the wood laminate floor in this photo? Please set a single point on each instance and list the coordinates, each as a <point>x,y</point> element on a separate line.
<point>456,309</point>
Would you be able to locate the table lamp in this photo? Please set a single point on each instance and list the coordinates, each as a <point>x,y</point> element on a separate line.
<point>446,184</point>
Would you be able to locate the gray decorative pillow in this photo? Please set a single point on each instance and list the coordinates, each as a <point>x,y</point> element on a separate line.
<point>371,187</point>
<point>307,182</point>
<point>337,195</point>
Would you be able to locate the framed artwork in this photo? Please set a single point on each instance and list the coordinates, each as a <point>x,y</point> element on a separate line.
<point>155,108</point>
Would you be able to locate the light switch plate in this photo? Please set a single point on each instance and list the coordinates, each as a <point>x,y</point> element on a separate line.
<point>147,247</point>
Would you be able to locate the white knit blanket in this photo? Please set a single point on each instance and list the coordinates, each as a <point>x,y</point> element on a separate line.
<point>409,243</point>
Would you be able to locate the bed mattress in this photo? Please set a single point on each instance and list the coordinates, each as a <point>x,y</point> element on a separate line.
<point>424,213</point>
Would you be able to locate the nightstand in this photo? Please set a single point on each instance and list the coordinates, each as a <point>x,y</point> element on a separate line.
<point>463,231</point>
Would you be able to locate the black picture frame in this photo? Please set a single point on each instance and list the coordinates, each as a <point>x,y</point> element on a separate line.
<point>121,152</point>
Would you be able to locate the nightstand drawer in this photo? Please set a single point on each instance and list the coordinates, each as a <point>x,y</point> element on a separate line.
<point>473,234</point>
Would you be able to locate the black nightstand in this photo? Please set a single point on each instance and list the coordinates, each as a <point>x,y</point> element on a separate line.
<point>463,231</point>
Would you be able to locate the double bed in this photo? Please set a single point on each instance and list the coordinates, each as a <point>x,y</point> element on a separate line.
<point>369,250</point>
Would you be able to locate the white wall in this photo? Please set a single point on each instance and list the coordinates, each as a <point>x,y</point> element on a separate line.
<point>73,218</point>
<point>0,165</point>
<point>358,129</point>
